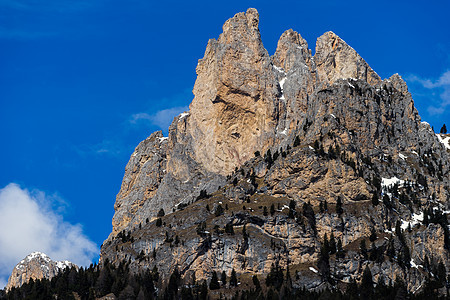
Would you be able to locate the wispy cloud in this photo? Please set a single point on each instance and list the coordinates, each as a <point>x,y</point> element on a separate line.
<point>29,222</point>
<point>438,92</point>
<point>110,147</point>
<point>162,118</point>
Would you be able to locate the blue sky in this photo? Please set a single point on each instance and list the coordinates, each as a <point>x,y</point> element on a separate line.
<point>83,82</point>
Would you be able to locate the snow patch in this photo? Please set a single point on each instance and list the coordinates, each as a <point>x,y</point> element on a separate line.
<point>445,141</point>
<point>279,69</point>
<point>161,139</point>
<point>63,264</point>
<point>314,270</point>
<point>415,219</point>
<point>284,131</point>
<point>388,182</point>
<point>414,265</point>
<point>414,152</point>
<point>311,148</point>
<point>402,156</point>
<point>36,255</point>
<point>282,81</point>
<point>183,115</point>
<point>333,116</point>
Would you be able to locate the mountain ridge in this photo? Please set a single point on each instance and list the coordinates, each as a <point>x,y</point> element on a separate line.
<point>337,130</point>
<point>36,265</point>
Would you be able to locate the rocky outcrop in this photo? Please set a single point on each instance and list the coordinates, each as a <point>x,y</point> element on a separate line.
<point>35,266</point>
<point>335,60</point>
<point>336,132</point>
<point>235,109</point>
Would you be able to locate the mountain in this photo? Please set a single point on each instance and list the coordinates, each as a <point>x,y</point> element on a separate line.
<point>294,131</point>
<point>35,266</point>
<point>309,172</point>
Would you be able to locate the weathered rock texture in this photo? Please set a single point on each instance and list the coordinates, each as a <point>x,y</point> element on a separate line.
<point>35,266</point>
<point>334,129</point>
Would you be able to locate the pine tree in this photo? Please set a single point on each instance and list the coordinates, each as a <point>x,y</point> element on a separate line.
<point>224,278</point>
<point>363,248</point>
<point>297,141</point>
<point>340,253</point>
<point>272,209</point>
<point>326,245</point>
<point>375,199</point>
<point>339,209</point>
<point>256,282</point>
<point>233,278</point>
<point>324,263</point>
<point>366,284</point>
<point>214,283</point>
<point>204,291</point>
<point>373,234</point>
<point>291,209</point>
<point>219,210</point>
<point>332,244</point>
<point>444,129</point>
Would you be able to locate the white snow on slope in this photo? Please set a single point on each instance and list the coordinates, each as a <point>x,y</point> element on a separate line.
<point>402,156</point>
<point>282,81</point>
<point>279,69</point>
<point>314,270</point>
<point>183,115</point>
<point>388,182</point>
<point>415,219</point>
<point>445,141</point>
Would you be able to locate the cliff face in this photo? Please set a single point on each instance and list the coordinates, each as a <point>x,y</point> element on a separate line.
<point>36,266</point>
<point>336,133</point>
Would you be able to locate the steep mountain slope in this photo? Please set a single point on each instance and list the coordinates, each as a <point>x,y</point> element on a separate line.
<point>36,265</point>
<point>276,155</point>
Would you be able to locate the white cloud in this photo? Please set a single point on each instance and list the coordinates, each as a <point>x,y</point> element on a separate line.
<point>30,222</point>
<point>441,86</point>
<point>162,118</point>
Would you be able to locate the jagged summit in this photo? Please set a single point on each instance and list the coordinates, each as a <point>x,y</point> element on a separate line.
<point>247,101</point>
<point>36,265</point>
<point>335,59</point>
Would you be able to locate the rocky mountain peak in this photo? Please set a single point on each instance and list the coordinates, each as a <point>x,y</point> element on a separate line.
<point>335,59</point>
<point>242,26</point>
<point>36,265</point>
<point>290,46</point>
<point>234,111</point>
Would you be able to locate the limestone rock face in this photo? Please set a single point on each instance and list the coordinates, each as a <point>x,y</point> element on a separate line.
<point>296,72</point>
<point>143,175</point>
<point>37,265</point>
<point>335,59</point>
<point>235,109</point>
